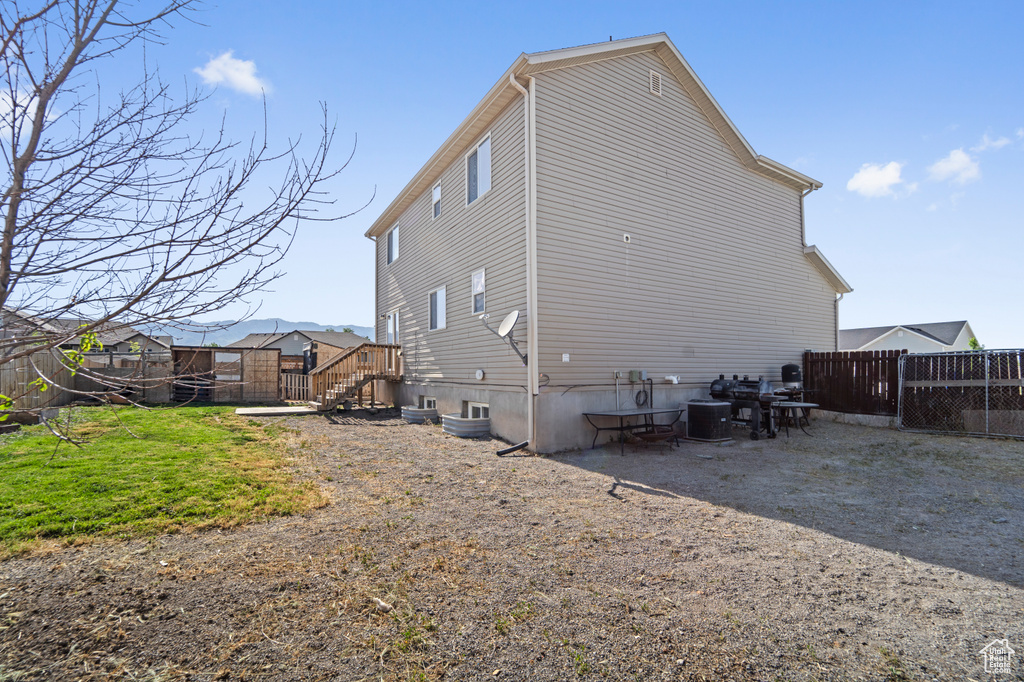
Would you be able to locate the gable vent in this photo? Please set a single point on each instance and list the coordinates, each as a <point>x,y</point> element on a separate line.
<point>655,83</point>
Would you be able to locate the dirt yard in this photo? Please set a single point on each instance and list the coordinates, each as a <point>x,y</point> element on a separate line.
<point>854,553</point>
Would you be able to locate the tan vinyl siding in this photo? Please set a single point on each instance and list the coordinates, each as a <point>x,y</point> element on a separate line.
<point>490,234</point>
<point>714,278</point>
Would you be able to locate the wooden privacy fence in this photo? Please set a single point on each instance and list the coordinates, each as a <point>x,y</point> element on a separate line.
<point>858,382</point>
<point>294,386</point>
<point>964,392</point>
<point>16,375</point>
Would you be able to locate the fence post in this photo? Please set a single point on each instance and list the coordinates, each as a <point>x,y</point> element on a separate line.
<point>987,391</point>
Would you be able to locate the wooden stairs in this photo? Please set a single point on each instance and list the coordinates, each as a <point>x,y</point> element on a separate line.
<point>344,376</point>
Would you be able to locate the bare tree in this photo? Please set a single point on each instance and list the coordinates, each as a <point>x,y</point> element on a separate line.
<point>113,212</point>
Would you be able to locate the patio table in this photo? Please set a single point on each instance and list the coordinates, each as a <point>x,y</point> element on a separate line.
<point>648,415</point>
<point>798,412</point>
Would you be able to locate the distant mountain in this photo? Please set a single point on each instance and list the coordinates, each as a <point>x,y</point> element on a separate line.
<point>235,331</point>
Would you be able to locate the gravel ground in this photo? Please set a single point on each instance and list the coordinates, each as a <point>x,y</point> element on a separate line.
<point>853,553</point>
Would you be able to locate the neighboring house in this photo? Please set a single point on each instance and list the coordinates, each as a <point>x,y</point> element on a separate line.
<point>115,337</point>
<point>603,193</point>
<point>295,343</point>
<point>935,337</point>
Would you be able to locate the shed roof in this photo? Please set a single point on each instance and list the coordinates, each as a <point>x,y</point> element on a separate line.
<point>255,340</point>
<point>337,339</point>
<point>503,92</point>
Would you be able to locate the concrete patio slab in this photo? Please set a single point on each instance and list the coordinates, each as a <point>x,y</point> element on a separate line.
<point>274,411</point>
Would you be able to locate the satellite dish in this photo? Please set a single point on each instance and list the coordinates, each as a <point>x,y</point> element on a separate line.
<point>505,328</point>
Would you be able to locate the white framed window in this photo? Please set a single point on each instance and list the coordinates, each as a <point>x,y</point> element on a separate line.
<point>479,297</point>
<point>478,170</point>
<point>437,309</point>
<point>391,335</point>
<point>393,244</point>
<point>435,202</point>
<point>428,402</point>
<point>478,411</point>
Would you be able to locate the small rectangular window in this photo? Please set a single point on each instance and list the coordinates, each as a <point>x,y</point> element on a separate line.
<point>428,403</point>
<point>436,201</point>
<point>479,411</point>
<point>479,300</point>
<point>437,309</point>
<point>393,245</point>
<point>478,171</point>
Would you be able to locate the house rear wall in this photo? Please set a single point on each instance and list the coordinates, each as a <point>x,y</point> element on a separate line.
<point>713,279</point>
<point>489,234</point>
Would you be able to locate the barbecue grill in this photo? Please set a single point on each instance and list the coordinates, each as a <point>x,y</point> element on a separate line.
<point>756,395</point>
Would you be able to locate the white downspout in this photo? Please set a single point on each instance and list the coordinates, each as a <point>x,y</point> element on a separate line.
<point>532,370</point>
<point>837,320</point>
<point>803,229</point>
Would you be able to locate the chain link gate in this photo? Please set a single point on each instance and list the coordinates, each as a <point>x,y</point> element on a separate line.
<point>978,393</point>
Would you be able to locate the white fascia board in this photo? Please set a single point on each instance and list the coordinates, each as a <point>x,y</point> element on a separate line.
<point>826,269</point>
<point>439,161</point>
<point>786,170</point>
<point>596,50</point>
<point>721,120</point>
<point>566,58</point>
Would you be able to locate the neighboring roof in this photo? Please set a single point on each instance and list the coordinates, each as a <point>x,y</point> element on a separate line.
<point>832,275</point>
<point>108,333</point>
<point>337,339</point>
<point>944,333</point>
<point>503,92</point>
<point>255,340</point>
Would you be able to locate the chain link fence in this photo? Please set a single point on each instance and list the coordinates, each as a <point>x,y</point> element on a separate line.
<point>978,393</point>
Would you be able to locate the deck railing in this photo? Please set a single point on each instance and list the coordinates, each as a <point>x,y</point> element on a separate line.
<point>343,376</point>
<point>294,386</point>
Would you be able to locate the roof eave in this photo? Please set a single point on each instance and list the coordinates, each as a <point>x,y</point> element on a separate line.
<point>502,92</point>
<point>443,156</point>
<point>831,275</point>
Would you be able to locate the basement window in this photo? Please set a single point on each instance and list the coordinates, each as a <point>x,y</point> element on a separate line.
<point>428,402</point>
<point>478,410</point>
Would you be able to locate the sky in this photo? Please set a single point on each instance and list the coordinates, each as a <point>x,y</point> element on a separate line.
<point>911,114</point>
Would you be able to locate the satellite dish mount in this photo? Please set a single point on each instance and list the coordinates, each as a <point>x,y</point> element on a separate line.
<point>504,331</point>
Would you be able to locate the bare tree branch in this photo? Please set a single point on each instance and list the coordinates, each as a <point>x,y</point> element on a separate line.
<point>115,213</point>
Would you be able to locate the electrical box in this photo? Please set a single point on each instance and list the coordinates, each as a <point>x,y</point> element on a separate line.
<point>634,376</point>
<point>643,375</point>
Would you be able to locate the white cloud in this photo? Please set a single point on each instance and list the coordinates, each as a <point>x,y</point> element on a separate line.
<point>958,167</point>
<point>237,74</point>
<point>1020,133</point>
<point>988,143</point>
<point>876,180</point>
